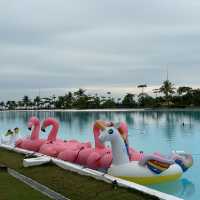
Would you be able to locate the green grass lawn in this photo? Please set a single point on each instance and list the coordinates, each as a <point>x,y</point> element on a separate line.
<point>68,183</point>
<point>12,189</point>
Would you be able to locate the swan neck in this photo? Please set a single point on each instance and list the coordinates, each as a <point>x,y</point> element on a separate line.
<point>119,151</point>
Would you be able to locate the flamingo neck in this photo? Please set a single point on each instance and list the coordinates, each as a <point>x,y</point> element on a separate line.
<point>35,132</point>
<point>53,133</point>
<point>98,144</point>
<point>119,151</point>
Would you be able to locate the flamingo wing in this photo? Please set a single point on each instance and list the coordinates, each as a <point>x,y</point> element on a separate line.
<point>93,160</point>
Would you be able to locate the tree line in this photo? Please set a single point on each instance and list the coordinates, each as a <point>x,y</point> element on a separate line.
<point>165,96</point>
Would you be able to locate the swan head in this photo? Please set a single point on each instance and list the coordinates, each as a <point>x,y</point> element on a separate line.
<point>9,132</point>
<point>16,130</point>
<point>108,134</point>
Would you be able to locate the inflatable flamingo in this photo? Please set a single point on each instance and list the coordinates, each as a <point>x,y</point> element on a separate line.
<point>53,146</point>
<point>132,153</point>
<point>72,151</point>
<point>32,143</point>
<point>84,154</point>
<point>99,157</point>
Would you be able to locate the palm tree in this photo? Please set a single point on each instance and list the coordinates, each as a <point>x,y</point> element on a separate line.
<point>109,95</point>
<point>80,92</point>
<point>26,101</point>
<point>167,89</point>
<point>20,104</point>
<point>156,91</point>
<point>94,101</point>
<point>53,101</point>
<point>69,99</point>
<point>128,101</point>
<point>184,90</point>
<point>109,103</point>
<point>47,102</point>
<point>2,105</point>
<point>142,86</point>
<point>37,101</point>
<point>60,102</point>
<point>81,99</point>
<point>11,105</point>
<point>119,100</point>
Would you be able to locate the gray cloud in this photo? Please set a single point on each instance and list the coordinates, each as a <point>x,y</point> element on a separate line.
<point>72,44</point>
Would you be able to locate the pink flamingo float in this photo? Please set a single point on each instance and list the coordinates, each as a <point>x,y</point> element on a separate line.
<point>94,158</point>
<point>33,142</point>
<point>53,146</point>
<point>99,157</point>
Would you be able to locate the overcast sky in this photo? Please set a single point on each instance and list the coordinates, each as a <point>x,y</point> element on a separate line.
<point>102,45</point>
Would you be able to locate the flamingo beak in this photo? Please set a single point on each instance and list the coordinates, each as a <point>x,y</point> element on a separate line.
<point>43,129</point>
<point>29,128</point>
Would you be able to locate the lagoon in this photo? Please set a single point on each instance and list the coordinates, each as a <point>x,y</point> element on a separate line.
<point>149,131</point>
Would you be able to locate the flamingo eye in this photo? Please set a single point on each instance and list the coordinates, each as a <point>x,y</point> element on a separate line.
<point>110,131</point>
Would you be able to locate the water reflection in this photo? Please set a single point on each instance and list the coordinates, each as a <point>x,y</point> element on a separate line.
<point>149,131</point>
<point>181,188</point>
<point>167,119</point>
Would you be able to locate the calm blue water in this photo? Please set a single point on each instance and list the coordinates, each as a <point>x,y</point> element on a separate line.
<point>148,131</point>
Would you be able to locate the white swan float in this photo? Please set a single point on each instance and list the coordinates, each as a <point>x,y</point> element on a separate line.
<point>150,169</point>
<point>10,137</point>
